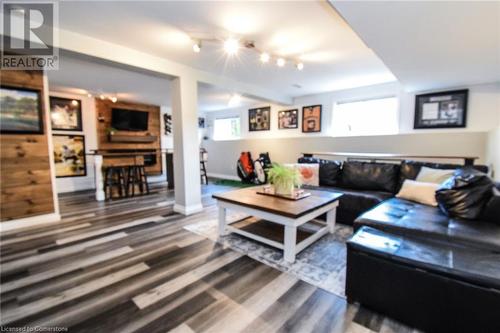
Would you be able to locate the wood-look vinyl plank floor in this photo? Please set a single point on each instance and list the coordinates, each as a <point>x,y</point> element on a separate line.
<point>129,266</point>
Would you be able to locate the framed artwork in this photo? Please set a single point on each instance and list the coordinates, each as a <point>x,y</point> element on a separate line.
<point>167,120</point>
<point>201,122</point>
<point>288,119</point>
<point>311,119</point>
<point>69,155</point>
<point>22,111</point>
<point>65,114</point>
<point>447,109</point>
<point>259,119</point>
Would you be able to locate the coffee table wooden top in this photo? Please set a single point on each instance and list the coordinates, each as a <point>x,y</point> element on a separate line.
<point>248,197</point>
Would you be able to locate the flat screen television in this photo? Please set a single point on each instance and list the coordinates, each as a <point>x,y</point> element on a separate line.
<point>129,120</point>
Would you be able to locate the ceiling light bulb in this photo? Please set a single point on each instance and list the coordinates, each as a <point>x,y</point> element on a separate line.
<point>89,95</point>
<point>102,97</point>
<point>235,100</point>
<point>264,57</point>
<point>114,99</point>
<point>231,46</point>
<point>300,66</point>
<point>280,62</point>
<point>197,47</point>
<point>74,102</point>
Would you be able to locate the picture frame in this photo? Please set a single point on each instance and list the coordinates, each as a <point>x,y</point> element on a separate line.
<point>259,119</point>
<point>69,155</point>
<point>288,119</point>
<point>445,109</point>
<point>22,110</point>
<point>65,114</point>
<point>311,119</point>
<point>201,122</point>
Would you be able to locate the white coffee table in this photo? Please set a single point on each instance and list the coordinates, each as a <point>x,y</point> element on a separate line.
<point>288,213</point>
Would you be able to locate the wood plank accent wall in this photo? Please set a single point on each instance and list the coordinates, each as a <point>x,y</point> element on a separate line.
<point>26,185</point>
<point>103,113</point>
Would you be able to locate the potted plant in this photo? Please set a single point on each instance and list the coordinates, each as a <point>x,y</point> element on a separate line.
<point>110,131</point>
<point>284,179</point>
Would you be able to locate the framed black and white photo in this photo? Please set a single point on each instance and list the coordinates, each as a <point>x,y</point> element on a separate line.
<point>21,111</point>
<point>288,119</point>
<point>69,155</point>
<point>259,119</point>
<point>311,119</point>
<point>65,114</point>
<point>447,109</point>
<point>201,122</point>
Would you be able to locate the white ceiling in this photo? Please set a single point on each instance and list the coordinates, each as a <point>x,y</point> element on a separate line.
<point>82,76</point>
<point>431,45</point>
<point>334,57</point>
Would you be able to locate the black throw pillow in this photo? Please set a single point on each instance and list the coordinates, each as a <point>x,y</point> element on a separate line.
<point>464,194</point>
<point>491,211</point>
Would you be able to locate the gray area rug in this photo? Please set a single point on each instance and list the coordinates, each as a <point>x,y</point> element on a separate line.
<point>322,264</point>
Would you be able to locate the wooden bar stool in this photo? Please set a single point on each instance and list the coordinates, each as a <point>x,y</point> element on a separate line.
<point>203,167</point>
<point>136,177</point>
<point>115,177</point>
<point>115,182</point>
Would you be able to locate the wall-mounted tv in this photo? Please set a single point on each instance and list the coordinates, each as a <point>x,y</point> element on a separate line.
<point>129,120</point>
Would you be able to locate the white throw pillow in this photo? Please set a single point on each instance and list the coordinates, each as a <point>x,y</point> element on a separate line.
<point>308,171</point>
<point>421,192</point>
<point>437,176</point>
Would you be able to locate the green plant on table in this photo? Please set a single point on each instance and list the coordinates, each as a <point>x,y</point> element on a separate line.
<point>284,178</point>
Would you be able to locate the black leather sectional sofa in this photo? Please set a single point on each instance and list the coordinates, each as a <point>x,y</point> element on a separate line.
<point>411,261</point>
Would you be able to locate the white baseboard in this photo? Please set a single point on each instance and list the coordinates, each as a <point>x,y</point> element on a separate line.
<point>29,222</point>
<point>188,210</point>
<point>221,176</point>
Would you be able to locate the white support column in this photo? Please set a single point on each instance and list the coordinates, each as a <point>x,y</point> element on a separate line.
<point>186,146</point>
<point>99,179</point>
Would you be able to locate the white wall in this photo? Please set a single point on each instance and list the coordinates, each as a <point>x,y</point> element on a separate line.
<point>71,184</point>
<point>482,110</point>
<point>483,116</point>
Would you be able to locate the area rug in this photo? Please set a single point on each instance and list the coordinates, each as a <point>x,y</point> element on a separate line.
<point>322,264</point>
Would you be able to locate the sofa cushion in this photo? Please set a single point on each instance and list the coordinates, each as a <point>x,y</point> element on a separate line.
<point>424,193</point>
<point>408,218</point>
<point>370,176</point>
<point>353,203</point>
<point>491,211</point>
<point>410,169</point>
<point>465,194</point>
<point>329,171</point>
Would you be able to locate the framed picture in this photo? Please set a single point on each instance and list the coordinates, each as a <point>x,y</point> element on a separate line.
<point>311,119</point>
<point>22,111</point>
<point>69,155</point>
<point>259,119</point>
<point>65,114</point>
<point>288,119</point>
<point>447,109</point>
<point>201,122</point>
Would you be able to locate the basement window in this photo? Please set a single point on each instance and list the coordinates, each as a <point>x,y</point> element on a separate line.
<point>367,117</point>
<point>226,129</point>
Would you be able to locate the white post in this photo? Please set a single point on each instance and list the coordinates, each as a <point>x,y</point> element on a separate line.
<point>290,242</point>
<point>330,220</point>
<point>186,146</point>
<point>99,179</point>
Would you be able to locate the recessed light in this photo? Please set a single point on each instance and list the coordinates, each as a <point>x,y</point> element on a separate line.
<point>235,100</point>
<point>113,99</point>
<point>265,57</point>
<point>102,97</point>
<point>74,102</point>
<point>280,62</point>
<point>231,46</point>
<point>197,47</point>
